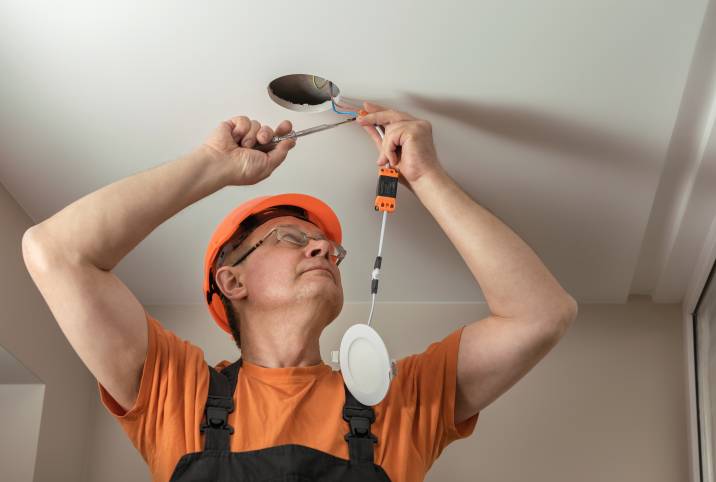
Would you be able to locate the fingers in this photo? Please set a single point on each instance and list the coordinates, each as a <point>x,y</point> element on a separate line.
<point>370,129</point>
<point>248,133</point>
<point>383,117</point>
<point>222,137</point>
<point>277,155</point>
<point>371,107</point>
<point>241,124</point>
<point>284,128</point>
<point>250,138</point>
<point>377,114</point>
<point>265,133</point>
<point>369,123</point>
<point>390,143</point>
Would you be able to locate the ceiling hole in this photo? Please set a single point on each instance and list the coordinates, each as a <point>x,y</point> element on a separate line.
<point>303,92</point>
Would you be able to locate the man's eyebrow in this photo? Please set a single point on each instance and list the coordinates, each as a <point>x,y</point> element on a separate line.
<point>298,227</point>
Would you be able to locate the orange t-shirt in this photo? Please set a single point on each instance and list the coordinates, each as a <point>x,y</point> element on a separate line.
<point>296,405</point>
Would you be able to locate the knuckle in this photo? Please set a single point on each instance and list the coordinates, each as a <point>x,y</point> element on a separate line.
<point>426,125</point>
<point>242,124</point>
<point>241,120</point>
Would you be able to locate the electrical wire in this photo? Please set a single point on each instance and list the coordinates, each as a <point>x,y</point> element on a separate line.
<point>376,270</point>
<point>376,267</point>
<point>333,104</point>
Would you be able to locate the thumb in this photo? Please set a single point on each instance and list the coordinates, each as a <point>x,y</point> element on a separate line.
<point>389,147</point>
<point>277,155</point>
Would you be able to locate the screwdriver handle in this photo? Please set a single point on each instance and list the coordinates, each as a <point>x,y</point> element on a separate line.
<point>277,139</point>
<point>274,140</point>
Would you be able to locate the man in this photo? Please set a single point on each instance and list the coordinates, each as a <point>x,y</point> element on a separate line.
<point>272,279</point>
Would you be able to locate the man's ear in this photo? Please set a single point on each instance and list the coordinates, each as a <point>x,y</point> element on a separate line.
<point>231,283</point>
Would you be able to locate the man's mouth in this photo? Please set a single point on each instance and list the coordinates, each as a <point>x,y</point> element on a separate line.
<point>319,269</point>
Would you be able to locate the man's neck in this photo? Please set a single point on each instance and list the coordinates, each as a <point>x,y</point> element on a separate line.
<point>280,343</point>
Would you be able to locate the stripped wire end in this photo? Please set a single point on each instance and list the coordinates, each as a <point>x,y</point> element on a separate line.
<point>333,103</point>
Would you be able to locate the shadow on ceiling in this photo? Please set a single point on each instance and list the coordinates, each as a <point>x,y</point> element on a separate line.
<point>574,138</point>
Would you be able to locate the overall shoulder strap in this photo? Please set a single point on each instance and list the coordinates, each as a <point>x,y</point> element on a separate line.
<point>219,404</point>
<point>360,440</point>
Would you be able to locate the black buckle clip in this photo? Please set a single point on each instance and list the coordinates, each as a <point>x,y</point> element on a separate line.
<point>366,413</point>
<point>216,418</point>
<point>359,421</point>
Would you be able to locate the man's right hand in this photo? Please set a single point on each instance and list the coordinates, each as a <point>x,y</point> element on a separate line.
<point>234,142</point>
<point>71,255</point>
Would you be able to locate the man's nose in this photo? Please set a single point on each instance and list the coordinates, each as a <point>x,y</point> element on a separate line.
<point>318,247</point>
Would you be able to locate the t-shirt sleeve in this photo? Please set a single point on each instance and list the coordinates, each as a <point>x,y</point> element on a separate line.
<point>429,381</point>
<point>173,373</point>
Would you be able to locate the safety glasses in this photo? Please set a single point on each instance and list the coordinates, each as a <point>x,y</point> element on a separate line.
<point>294,237</point>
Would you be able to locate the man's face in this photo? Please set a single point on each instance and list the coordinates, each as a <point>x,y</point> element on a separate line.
<point>276,275</point>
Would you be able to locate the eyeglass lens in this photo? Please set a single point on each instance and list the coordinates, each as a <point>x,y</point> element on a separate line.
<point>299,238</point>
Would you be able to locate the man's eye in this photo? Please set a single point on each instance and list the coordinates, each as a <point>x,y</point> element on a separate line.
<point>293,238</point>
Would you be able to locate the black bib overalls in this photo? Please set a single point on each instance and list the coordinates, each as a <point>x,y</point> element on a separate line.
<point>295,463</point>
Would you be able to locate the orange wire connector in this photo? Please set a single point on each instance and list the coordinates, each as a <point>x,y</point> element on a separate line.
<point>387,189</point>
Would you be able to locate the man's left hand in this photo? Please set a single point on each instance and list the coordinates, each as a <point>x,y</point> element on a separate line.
<point>416,156</point>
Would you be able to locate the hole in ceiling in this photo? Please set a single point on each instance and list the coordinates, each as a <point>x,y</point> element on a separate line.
<point>304,92</point>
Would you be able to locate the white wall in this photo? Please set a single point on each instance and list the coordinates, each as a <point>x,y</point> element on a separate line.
<point>607,404</point>
<point>20,421</point>
<point>29,331</point>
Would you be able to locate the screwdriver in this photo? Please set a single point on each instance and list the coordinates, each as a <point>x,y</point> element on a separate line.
<point>294,134</point>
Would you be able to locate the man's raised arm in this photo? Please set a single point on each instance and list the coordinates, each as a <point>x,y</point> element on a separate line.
<point>530,310</point>
<point>70,255</point>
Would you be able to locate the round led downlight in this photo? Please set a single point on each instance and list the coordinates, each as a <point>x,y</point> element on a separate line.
<point>365,364</point>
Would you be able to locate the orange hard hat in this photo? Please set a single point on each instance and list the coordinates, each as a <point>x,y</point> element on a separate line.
<point>319,213</point>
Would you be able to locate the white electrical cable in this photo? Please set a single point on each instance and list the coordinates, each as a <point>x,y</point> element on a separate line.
<point>376,271</point>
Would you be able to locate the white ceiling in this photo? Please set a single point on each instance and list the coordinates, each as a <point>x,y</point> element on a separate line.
<point>587,126</point>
